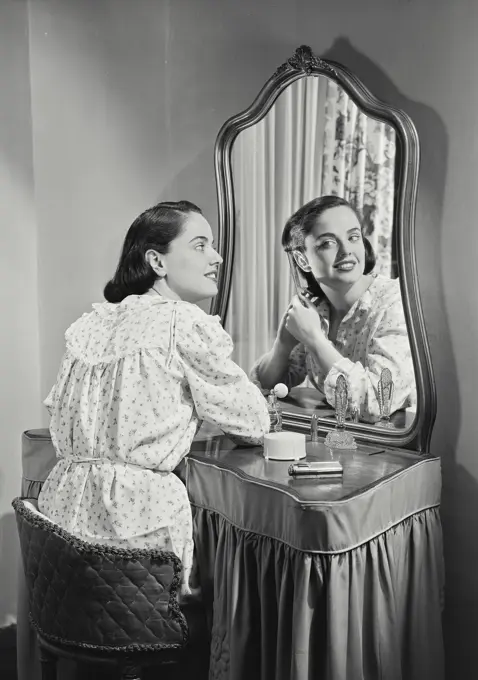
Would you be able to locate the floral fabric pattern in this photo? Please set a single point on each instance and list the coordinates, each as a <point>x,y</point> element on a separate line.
<point>372,336</point>
<point>134,384</point>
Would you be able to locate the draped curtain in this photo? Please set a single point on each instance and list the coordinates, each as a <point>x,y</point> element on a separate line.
<point>314,141</point>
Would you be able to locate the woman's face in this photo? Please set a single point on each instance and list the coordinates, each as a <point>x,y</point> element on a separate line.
<point>335,249</point>
<point>191,265</point>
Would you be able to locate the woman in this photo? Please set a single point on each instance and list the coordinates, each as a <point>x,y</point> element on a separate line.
<point>356,326</point>
<point>139,374</point>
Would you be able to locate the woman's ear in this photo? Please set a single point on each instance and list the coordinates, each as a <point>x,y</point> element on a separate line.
<point>156,262</point>
<point>301,261</point>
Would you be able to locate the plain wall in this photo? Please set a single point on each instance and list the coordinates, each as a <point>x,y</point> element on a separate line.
<point>19,344</point>
<point>127,99</point>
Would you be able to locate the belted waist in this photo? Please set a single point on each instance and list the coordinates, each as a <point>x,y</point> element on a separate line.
<point>97,461</point>
<point>108,461</point>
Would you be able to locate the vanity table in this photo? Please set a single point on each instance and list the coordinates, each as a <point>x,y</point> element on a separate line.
<point>317,578</point>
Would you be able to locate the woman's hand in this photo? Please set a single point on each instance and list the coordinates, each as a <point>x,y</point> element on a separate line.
<point>285,341</point>
<point>303,321</point>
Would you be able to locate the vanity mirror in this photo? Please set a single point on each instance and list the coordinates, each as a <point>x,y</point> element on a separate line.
<point>315,131</point>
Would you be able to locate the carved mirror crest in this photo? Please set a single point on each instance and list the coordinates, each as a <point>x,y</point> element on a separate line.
<point>315,131</point>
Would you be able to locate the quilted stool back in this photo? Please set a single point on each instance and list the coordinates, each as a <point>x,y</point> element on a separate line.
<point>98,597</point>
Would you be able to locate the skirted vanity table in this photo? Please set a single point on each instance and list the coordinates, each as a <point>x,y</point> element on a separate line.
<point>336,578</point>
<point>319,579</point>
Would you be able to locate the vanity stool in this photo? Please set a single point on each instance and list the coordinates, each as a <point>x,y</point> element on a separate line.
<point>96,604</point>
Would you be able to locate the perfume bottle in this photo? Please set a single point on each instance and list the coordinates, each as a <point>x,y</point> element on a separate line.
<point>340,438</point>
<point>275,412</point>
<point>275,408</point>
<point>385,389</point>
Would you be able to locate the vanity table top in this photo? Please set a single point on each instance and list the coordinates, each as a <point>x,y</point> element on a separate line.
<point>363,467</point>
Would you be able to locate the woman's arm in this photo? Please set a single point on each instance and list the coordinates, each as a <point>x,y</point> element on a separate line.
<point>223,394</point>
<point>284,363</point>
<point>324,353</point>
<point>271,368</point>
<point>294,370</point>
<point>303,322</point>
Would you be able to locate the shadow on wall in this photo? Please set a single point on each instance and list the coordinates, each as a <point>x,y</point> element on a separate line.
<point>9,564</point>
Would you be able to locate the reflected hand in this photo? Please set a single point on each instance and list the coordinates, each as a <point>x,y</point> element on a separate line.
<point>284,339</point>
<point>303,321</point>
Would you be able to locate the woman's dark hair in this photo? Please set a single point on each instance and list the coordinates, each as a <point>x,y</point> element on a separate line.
<point>154,229</point>
<point>300,225</point>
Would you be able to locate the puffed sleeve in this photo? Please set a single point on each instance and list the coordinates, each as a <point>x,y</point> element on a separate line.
<point>222,392</point>
<point>52,399</point>
<point>296,371</point>
<point>389,347</point>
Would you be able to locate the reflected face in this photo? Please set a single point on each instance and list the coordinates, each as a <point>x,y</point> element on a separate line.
<point>335,249</point>
<point>192,263</point>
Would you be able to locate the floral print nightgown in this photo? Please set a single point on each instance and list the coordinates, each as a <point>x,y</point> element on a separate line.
<point>372,336</point>
<point>135,381</point>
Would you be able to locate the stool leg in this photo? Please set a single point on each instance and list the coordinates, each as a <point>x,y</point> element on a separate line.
<point>130,671</point>
<point>48,664</point>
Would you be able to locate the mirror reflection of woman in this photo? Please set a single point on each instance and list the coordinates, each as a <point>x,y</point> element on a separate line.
<point>139,374</point>
<point>356,325</point>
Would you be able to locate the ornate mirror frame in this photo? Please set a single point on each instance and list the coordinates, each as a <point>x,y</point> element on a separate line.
<point>305,63</point>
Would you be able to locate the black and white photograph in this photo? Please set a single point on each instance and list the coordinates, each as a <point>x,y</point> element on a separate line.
<point>238,430</point>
